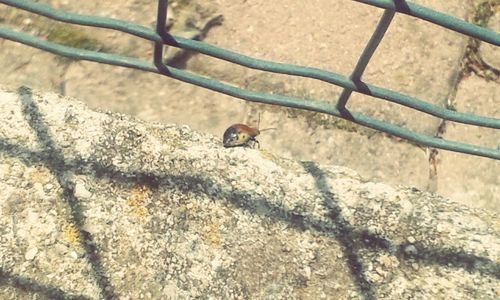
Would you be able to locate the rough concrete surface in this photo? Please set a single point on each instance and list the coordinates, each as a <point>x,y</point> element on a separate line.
<point>101,205</point>
<point>416,58</point>
<point>480,97</point>
<point>490,53</point>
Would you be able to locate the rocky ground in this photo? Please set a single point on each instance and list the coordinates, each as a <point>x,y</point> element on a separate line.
<point>415,58</point>
<point>104,206</point>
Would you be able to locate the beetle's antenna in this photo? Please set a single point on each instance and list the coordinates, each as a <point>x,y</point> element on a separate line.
<point>258,125</point>
<point>272,128</point>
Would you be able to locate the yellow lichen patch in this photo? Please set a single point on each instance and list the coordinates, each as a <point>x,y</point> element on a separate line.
<point>41,175</point>
<point>192,208</point>
<point>139,195</point>
<point>267,155</point>
<point>211,233</point>
<point>176,143</point>
<point>71,234</point>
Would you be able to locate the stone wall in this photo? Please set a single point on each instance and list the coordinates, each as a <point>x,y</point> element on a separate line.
<point>100,205</point>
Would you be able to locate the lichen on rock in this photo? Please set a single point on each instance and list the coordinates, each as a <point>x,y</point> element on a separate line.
<point>165,211</point>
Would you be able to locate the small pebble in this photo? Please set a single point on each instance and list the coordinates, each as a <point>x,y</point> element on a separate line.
<point>81,191</point>
<point>375,278</point>
<point>31,253</point>
<point>411,250</point>
<point>307,272</point>
<point>49,187</point>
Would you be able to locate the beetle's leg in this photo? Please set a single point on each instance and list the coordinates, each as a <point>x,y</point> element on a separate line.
<point>256,142</point>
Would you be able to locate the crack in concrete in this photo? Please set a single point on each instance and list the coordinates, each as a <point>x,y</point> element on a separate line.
<point>470,63</point>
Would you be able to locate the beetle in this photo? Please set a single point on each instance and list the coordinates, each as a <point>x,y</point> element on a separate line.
<point>241,135</point>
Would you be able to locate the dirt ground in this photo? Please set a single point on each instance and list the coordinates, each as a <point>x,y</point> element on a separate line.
<point>415,58</point>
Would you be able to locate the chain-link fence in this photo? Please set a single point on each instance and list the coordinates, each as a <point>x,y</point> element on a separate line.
<point>352,83</point>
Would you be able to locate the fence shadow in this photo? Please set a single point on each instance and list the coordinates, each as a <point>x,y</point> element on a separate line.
<point>29,285</point>
<point>351,239</point>
<point>53,159</point>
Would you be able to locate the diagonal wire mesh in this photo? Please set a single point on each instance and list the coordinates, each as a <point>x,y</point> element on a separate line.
<point>350,84</point>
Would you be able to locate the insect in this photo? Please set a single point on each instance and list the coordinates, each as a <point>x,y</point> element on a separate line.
<point>241,135</point>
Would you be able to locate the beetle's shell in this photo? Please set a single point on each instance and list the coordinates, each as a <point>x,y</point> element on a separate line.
<point>239,135</point>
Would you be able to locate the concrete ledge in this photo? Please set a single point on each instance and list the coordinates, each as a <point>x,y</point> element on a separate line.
<point>99,205</point>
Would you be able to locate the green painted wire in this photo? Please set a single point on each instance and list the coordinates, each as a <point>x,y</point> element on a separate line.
<point>447,21</point>
<point>364,59</point>
<point>208,83</point>
<point>288,69</point>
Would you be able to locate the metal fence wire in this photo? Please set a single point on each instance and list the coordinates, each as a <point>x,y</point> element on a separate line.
<point>349,83</point>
